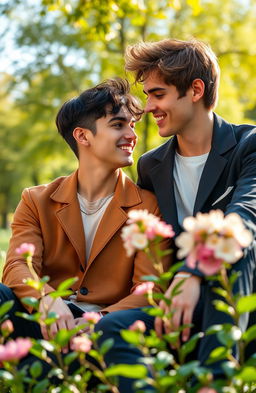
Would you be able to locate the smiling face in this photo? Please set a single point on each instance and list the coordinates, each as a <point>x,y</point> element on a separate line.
<point>113,143</point>
<point>173,114</point>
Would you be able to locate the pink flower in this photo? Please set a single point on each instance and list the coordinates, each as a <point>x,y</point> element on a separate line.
<point>81,344</point>
<point>206,390</point>
<point>211,239</point>
<point>15,349</point>
<point>26,250</point>
<point>159,228</point>
<point>143,227</point>
<point>144,288</point>
<point>7,328</point>
<point>138,326</point>
<point>92,317</point>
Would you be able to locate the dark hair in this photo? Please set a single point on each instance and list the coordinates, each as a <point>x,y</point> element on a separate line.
<point>92,104</point>
<point>178,63</point>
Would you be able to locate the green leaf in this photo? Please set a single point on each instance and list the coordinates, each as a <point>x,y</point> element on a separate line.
<point>203,374</point>
<point>249,334</point>
<point>63,336</point>
<point>38,351</point>
<point>172,337</point>
<point>31,301</point>
<point>217,354</point>
<point>5,307</point>
<point>29,317</point>
<point>37,285</point>
<point>189,346</point>
<point>41,387</point>
<point>229,368</point>
<point>155,312</point>
<point>177,289</point>
<point>36,369</point>
<point>222,292</point>
<point>106,345</point>
<point>224,307</point>
<point>177,266</point>
<point>229,336</point>
<point>167,276</point>
<point>94,354</point>
<point>187,369</point>
<point>213,329</point>
<point>51,318</point>
<point>127,370</point>
<point>152,278</point>
<point>45,279</point>
<point>60,293</point>
<point>168,380</point>
<point>131,336</point>
<point>247,374</point>
<point>153,341</point>
<point>67,284</point>
<point>246,304</point>
<point>70,357</point>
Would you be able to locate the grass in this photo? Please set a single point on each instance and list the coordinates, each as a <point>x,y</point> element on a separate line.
<point>4,241</point>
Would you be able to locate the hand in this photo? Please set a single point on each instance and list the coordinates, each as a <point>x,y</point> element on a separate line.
<point>81,321</point>
<point>183,306</point>
<point>65,317</point>
<point>206,390</point>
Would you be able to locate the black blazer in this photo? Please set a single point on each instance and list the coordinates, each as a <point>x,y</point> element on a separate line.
<point>228,181</point>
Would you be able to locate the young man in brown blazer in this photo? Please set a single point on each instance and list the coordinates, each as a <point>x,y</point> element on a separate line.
<point>75,221</point>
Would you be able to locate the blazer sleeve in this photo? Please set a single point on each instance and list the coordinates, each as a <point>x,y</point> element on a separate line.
<point>243,201</point>
<point>25,229</point>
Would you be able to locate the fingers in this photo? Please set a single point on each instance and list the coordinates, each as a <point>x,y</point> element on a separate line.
<point>187,319</point>
<point>159,323</point>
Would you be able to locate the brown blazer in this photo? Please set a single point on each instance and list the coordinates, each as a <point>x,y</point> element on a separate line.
<point>49,217</point>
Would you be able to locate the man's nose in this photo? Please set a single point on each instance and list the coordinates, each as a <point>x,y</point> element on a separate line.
<point>130,134</point>
<point>149,107</point>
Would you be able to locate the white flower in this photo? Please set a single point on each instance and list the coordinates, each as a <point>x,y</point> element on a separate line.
<point>139,241</point>
<point>234,227</point>
<point>228,250</point>
<point>185,242</point>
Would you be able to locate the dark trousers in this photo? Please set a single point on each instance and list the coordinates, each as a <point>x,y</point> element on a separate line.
<point>205,315</point>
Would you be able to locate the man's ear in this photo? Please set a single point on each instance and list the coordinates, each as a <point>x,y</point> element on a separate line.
<point>81,136</point>
<point>198,88</point>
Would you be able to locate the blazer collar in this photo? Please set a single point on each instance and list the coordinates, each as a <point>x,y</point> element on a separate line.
<point>67,190</point>
<point>223,140</point>
<point>162,179</point>
<point>68,213</point>
<point>126,195</point>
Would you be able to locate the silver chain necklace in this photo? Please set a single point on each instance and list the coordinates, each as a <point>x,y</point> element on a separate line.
<point>89,208</point>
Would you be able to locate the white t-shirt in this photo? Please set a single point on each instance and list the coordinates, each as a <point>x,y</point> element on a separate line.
<point>91,212</point>
<point>187,172</point>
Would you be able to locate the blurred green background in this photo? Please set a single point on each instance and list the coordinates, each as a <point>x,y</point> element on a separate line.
<point>51,50</point>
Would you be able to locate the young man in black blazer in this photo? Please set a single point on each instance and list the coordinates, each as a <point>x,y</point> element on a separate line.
<point>207,164</point>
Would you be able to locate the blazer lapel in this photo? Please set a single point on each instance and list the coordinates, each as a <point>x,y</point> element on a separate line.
<point>163,182</point>
<point>125,195</point>
<point>223,140</point>
<point>69,215</point>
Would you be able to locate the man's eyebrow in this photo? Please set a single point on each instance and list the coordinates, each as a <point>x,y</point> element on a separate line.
<point>119,118</point>
<point>153,90</point>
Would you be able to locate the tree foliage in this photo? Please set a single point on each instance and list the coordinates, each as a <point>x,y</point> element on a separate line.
<point>65,46</point>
